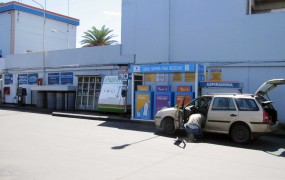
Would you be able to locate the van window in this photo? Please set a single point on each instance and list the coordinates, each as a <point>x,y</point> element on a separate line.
<point>246,104</point>
<point>224,104</point>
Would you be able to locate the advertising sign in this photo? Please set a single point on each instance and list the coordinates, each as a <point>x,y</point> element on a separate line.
<point>220,84</point>
<point>53,78</point>
<point>163,68</point>
<point>143,107</point>
<point>110,98</point>
<point>22,79</point>
<point>8,79</point>
<point>143,88</point>
<point>162,88</point>
<point>66,78</point>
<point>162,100</point>
<point>179,99</point>
<point>33,79</point>
<point>184,88</point>
<point>179,96</point>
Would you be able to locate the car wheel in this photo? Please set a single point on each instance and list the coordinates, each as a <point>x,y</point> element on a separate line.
<point>240,134</point>
<point>168,126</point>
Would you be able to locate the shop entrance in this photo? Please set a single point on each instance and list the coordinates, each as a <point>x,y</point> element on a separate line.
<point>161,86</point>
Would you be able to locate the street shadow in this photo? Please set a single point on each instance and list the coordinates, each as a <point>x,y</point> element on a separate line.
<point>269,144</point>
<point>126,145</point>
<point>132,126</point>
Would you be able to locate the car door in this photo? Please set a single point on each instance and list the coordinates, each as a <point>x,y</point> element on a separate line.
<point>221,113</point>
<point>268,86</point>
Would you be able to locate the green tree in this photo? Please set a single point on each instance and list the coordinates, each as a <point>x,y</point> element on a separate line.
<point>98,37</point>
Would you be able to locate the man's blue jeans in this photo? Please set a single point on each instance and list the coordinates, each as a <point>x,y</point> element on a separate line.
<point>194,129</point>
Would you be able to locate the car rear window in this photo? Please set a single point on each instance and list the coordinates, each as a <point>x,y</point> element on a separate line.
<point>246,104</point>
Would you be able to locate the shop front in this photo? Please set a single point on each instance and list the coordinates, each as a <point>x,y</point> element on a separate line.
<point>163,85</point>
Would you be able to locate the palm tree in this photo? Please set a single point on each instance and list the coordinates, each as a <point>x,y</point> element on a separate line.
<point>98,37</point>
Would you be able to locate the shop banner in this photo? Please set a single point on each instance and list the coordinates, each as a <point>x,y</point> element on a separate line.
<point>8,79</point>
<point>163,68</point>
<point>53,78</point>
<point>220,84</point>
<point>33,79</point>
<point>66,78</point>
<point>22,79</point>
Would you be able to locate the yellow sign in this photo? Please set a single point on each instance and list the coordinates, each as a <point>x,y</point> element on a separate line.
<point>190,77</point>
<point>216,74</point>
<point>177,77</point>
<point>150,77</point>
<point>143,88</point>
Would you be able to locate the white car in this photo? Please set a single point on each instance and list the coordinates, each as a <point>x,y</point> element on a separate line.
<point>242,116</point>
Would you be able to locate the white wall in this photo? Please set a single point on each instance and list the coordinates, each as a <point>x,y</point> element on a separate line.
<point>5,33</point>
<point>145,29</point>
<point>200,31</point>
<point>29,34</point>
<point>82,61</point>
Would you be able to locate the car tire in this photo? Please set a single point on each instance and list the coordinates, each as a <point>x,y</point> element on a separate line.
<point>168,126</point>
<point>240,134</point>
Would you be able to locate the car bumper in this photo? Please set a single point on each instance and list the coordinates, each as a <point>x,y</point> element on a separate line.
<point>264,128</point>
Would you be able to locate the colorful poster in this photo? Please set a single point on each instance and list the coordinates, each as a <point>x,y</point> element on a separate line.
<point>143,105</point>
<point>66,78</point>
<point>53,78</point>
<point>32,79</point>
<point>22,79</point>
<point>8,79</point>
<point>180,98</point>
<point>161,101</point>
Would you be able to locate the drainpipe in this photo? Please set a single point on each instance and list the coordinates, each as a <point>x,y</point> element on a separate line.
<point>12,37</point>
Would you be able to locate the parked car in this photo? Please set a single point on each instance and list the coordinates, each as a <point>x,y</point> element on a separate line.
<point>241,116</point>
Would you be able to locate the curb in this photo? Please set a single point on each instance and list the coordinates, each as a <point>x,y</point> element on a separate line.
<point>100,117</point>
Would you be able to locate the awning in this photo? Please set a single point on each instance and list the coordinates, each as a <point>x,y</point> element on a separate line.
<point>53,88</point>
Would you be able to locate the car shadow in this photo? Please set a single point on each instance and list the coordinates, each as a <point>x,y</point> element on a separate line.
<point>268,144</point>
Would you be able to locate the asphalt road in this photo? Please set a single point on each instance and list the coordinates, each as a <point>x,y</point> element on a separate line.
<point>44,147</point>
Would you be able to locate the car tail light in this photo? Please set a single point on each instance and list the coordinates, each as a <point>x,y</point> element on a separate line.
<point>266,117</point>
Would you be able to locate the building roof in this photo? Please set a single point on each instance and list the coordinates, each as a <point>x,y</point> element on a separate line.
<point>13,5</point>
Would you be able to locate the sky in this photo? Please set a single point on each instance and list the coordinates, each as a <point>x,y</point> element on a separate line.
<point>90,13</point>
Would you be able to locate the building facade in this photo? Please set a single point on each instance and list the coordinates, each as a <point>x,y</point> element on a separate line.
<point>237,41</point>
<point>244,40</point>
<point>25,29</point>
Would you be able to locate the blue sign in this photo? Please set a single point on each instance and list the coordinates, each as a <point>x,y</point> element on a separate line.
<point>66,78</point>
<point>22,78</point>
<point>8,79</point>
<point>33,79</point>
<point>53,78</point>
<point>163,68</point>
<point>220,84</point>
